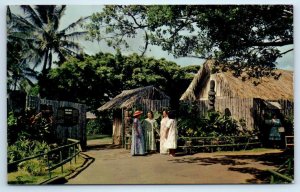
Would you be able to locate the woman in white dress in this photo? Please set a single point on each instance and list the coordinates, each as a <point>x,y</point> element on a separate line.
<point>163,129</point>
<point>150,125</point>
<point>171,136</point>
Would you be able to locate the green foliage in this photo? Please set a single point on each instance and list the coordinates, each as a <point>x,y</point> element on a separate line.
<point>11,119</point>
<point>288,124</point>
<point>95,79</point>
<point>94,127</point>
<point>34,91</point>
<point>25,148</point>
<point>29,125</point>
<point>12,127</point>
<point>34,166</point>
<point>213,124</point>
<point>249,36</point>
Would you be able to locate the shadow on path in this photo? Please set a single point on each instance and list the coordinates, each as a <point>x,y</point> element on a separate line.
<point>259,175</point>
<point>98,147</point>
<point>204,161</point>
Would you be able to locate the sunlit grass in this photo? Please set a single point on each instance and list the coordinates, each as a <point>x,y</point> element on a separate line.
<point>102,137</point>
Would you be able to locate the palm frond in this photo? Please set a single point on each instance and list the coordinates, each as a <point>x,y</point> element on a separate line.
<point>58,12</point>
<point>71,45</point>
<point>8,14</point>
<point>75,34</point>
<point>32,15</point>
<point>75,24</point>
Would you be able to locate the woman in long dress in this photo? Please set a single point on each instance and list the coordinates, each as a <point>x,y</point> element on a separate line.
<point>150,125</point>
<point>163,129</point>
<point>137,143</point>
<point>274,135</point>
<point>171,137</point>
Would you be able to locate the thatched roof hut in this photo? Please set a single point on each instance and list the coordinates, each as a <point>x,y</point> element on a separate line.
<point>145,98</point>
<point>128,98</point>
<point>227,85</point>
<point>242,99</point>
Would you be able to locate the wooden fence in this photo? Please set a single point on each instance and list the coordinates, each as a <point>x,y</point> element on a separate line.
<point>76,116</point>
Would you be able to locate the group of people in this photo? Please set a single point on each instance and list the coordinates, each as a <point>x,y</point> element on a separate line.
<point>143,134</point>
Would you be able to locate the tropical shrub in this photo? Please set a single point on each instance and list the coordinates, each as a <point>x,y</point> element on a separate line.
<point>288,123</point>
<point>25,148</point>
<point>191,124</point>
<point>12,128</point>
<point>29,125</point>
<point>94,127</point>
<point>34,166</point>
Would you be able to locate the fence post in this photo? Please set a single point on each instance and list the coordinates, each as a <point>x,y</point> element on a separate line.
<point>74,148</point>
<point>48,163</point>
<point>69,155</point>
<point>62,167</point>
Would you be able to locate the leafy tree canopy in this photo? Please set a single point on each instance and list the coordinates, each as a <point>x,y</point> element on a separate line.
<point>246,38</point>
<point>96,79</point>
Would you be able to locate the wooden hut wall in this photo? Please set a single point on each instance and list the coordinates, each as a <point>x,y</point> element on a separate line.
<point>248,109</point>
<point>117,127</point>
<point>77,131</point>
<point>238,108</point>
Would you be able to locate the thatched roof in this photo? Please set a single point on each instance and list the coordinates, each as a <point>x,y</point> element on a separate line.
<point>268,88</point>
<point>90,115</point>
<point>129,97</point>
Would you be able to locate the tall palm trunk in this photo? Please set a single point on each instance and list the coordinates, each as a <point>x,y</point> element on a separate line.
<point>45,61</point>
<point>50,60</point>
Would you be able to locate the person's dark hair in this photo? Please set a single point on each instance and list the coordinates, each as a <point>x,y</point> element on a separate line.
<point>165,110</point>
<point>172,114</point>
<point>151,112</point>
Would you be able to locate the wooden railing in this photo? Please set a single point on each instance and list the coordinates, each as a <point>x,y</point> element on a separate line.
<point>56,157</point>
<point>283,173</point>
<point>197,144</point>
<point>289,141</point>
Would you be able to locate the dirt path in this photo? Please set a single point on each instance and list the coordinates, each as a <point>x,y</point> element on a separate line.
<point>113,165</point>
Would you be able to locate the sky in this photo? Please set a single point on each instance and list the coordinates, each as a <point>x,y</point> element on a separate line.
<point>74,12</point>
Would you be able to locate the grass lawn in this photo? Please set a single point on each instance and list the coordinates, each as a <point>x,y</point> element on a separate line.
<point>24,177</point>
<point>102,137</point>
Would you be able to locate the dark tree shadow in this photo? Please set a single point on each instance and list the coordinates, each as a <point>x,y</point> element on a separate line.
<point>270,159</point>
<point>209,161</point>
<point>260,176</point>
<point>98,147</point>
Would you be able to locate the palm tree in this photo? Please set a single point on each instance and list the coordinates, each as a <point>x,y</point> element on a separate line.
<point>18,71</point>
<point>39,30</point>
